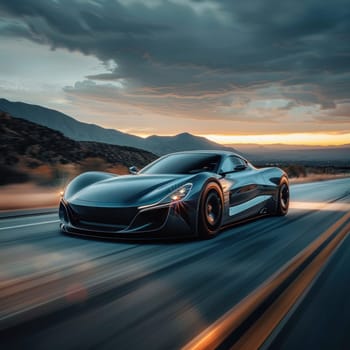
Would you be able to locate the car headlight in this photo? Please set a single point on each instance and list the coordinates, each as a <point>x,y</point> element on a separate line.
<point>175,196</point>
<point>179,194</point>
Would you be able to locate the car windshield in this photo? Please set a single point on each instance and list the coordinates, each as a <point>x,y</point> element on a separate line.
<point>184,163</point>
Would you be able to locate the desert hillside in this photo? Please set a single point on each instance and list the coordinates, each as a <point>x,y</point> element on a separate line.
<point>31,152</point>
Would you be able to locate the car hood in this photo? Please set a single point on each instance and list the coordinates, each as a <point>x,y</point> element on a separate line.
<point>132,190</point>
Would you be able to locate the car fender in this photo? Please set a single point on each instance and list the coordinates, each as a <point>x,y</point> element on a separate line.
<point>84,180</point>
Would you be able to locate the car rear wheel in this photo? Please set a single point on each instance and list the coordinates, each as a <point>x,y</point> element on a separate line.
<point>283,198</point>
<point>210,211</point>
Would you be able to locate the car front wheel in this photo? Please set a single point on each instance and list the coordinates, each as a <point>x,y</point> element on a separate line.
<point>210,211</point>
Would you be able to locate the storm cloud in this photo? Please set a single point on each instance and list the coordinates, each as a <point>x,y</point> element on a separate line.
<point>203,59</point>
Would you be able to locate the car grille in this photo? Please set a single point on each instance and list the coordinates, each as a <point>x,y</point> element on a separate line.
<point>106,219</point>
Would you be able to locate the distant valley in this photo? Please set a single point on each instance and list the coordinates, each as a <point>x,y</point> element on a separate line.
<point>159,145</point>
<point>283,153</point>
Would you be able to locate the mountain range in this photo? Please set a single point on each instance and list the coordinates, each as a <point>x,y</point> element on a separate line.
<point>160,145</point>
<point>80,131</point>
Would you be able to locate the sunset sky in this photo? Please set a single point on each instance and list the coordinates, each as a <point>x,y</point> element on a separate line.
<point>255,71</point>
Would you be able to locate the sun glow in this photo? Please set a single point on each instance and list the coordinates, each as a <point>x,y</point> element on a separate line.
<point>310,139</point>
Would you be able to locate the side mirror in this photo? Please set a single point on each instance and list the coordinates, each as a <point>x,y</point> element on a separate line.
<point>240,167</point>
<point>133,170</point>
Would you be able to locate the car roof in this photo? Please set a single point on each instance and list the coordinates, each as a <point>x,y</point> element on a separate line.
<point>204,151</point>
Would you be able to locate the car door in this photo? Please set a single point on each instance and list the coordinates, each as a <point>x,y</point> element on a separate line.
<point>242,185</point>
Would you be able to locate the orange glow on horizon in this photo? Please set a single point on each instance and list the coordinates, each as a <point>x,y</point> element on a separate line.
<point>307,139</point>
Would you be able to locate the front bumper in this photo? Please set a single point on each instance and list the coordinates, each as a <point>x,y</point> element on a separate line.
<point>175,220</point>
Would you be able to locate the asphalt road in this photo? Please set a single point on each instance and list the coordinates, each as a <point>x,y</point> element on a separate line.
<point>60,292</point>
<point>321,320</point>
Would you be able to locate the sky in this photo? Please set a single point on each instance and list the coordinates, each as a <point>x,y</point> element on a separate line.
<point>253,71</point>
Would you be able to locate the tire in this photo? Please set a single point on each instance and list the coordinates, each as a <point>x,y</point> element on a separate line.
<point>210,211</point>
<point>283,198</point>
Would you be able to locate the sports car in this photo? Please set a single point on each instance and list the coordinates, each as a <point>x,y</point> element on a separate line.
<point>195,193</point>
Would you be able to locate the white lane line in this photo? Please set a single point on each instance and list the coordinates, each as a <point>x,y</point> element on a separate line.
<point>27,225</point>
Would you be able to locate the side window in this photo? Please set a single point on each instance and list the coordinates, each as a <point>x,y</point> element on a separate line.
<point>230,164</point>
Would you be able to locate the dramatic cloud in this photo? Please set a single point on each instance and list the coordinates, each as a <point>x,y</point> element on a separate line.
<point>279,62</point>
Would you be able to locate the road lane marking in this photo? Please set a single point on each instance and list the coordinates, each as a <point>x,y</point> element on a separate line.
<point>213,336</point>
<point>320,206</point>
<point>255,337</point>
<point>27,225</point>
